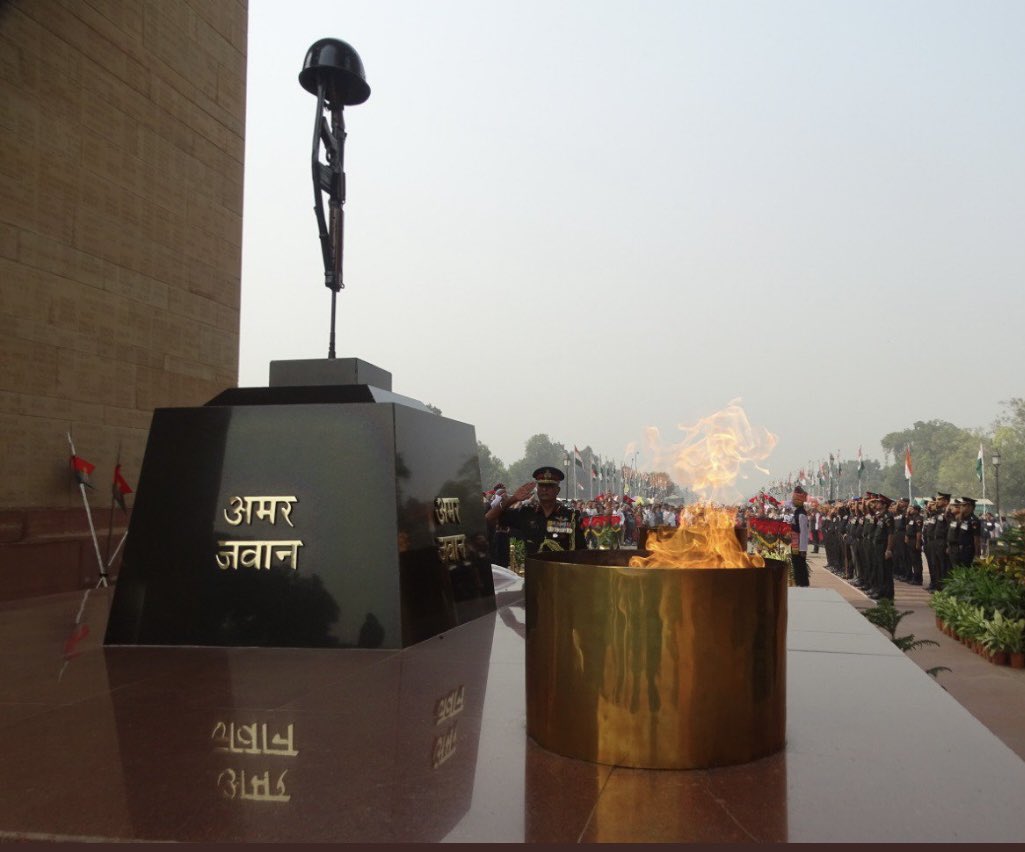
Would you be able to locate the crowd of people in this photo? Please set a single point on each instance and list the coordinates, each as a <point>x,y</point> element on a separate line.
<point>870,541</point>
<point>532,519</point>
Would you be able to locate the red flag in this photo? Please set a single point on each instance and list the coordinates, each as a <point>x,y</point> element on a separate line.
<point>82,469</point>
<point>120,488</point>
<point>907,462</point>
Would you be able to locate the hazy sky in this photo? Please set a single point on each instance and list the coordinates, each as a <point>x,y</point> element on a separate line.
<point>588,218</point>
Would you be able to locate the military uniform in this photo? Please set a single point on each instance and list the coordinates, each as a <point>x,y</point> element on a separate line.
<point>928,530</point>
<point>969,531</point>
<point>561,530</point>
<point>854,535</point>
<point>868,533</point>
<point>899,551</point>
<point>533,530</point>
<point>799,534</point>
<point>883,562</point>
<point>913,547</point>
<point>952,542</point>
<point>938,560</point>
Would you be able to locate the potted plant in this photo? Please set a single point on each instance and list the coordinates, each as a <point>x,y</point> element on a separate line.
<point>1001,635</point>
<point>1015,643</point>
<point>943,605</point>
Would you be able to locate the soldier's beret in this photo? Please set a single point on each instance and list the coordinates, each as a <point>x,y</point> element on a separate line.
<point>548,475</point>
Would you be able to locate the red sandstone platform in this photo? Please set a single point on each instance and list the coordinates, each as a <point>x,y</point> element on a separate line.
<point>429,744</point>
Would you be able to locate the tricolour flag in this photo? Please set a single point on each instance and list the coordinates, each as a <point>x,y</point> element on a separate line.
<point>120,488</point>
<point>978,464</point>
<point>82,469</point>
<point>907,462</point>
<point>861,462</point>
<point>594,471</point>
<point>578,460</point>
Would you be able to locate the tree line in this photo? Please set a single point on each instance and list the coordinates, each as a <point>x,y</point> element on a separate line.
<point>541,450</point>
<point>943,457</point>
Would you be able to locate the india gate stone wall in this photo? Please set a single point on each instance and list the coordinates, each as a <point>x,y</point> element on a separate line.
<point>121,159</point>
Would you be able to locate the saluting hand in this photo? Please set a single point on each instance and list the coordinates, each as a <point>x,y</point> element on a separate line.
<point>523,492</point>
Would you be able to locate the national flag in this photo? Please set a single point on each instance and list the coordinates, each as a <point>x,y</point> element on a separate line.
<point>120,488</point>
<point>861,462</point>
<point>578,460</point>
<point>594,470</point>
<point>82,469</point>
<point>907,462</point>
<point>839,466</point>
<point>978,464</point>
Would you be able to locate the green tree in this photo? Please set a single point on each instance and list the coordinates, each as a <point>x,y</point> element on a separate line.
<point>845,484</point>
<point>1009,439</point>
<point>492,470</point>
<point>539,450</point>
<point>942,459</point>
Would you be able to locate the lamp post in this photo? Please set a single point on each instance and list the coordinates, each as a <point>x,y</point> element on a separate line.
<point>996,472</point>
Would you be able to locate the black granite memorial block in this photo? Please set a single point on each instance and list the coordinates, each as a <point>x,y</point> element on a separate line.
<point>294,517</point>
<point>293,743</point>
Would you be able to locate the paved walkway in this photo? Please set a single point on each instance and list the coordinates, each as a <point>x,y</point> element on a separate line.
<point>995,695</point>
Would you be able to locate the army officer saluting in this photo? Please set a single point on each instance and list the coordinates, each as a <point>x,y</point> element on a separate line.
<point>543,524</point>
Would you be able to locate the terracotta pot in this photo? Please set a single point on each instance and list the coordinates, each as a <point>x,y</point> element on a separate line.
<point>1018,660</point>
<point>939,624</point>
<point>998,658</point>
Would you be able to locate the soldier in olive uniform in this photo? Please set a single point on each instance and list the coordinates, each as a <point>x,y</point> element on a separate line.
<point>898,514</point>
<point>938,564</point>
<point>969,534</point>
<point>928,527</point>
<point>868,536</point>
<point>847,520</point>
<point>953,514</point>
<point>913,544</point>
<point>543,524</point>
<point>855,530</point>
<point>882,544</point>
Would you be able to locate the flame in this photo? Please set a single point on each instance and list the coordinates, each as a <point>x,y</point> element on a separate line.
<point>710,457</point>
<point>708,461</point>
<point>707,540</point>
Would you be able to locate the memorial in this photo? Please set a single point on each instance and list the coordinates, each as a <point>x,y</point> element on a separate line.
<point>324,510</point>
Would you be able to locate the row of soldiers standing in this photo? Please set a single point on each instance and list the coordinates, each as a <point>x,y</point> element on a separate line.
<point>873,540</point>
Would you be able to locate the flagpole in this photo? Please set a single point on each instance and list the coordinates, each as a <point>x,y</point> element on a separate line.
<point>908,451</point>
<point>92,529</point>
<point>117,549</point>
<point>574,486</point>
<point>110,521</point>
<point>982,457</point>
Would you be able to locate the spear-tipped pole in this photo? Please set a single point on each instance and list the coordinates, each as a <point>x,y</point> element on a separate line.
<point>89,515</point>
<point>110,520</point>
